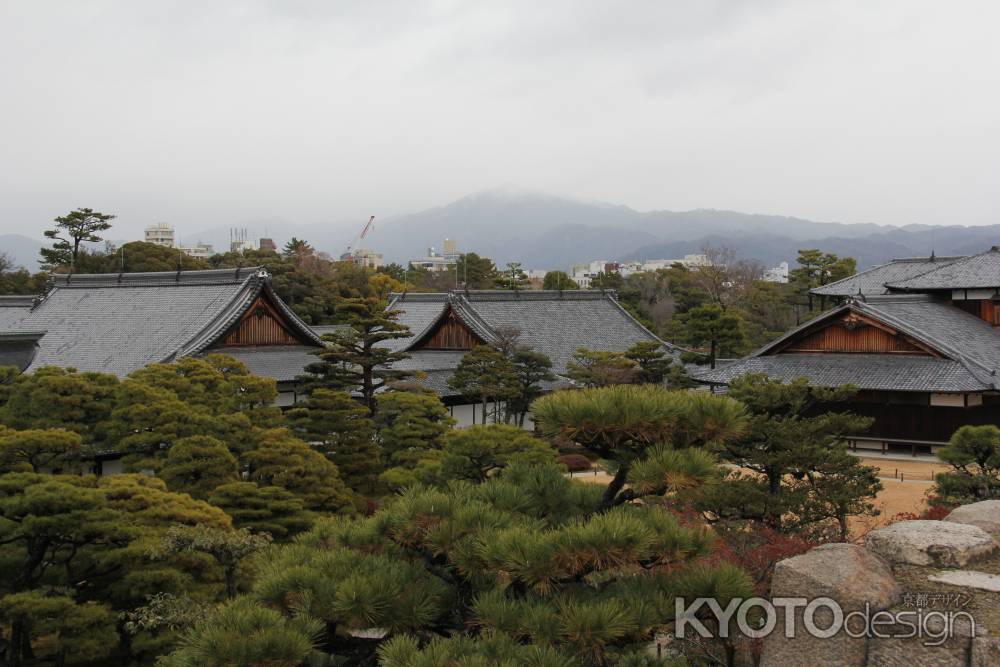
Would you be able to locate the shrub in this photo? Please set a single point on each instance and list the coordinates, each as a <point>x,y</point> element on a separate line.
<point>574,462</point>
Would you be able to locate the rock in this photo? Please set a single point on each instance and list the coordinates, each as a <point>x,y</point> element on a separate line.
<point>985,652</point>
<point>847,573</point>
<point>968,579</point>
<point>984,514</point>
<point>936,543</point>
<point>938,647</point>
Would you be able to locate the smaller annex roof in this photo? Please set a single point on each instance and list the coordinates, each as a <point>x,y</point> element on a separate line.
<point>980,271</point>
<point>873,281</point>
<point>117,323</point>
<point>969,350</point>
<point>13,309</point>
<point>553,322</point>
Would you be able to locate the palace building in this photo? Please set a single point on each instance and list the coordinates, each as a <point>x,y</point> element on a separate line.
<point>919,338</point>
<point>119,323</point>
<point>554,322</point>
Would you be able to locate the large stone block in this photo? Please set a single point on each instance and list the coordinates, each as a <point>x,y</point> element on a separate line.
<point>984,514</point>
<point>939,643</point>
<point>934,543</point>
<point>847,573</point>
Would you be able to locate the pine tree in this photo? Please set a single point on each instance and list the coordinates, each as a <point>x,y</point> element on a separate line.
<point>263,509</point>
<point>601,368</point>
<point>409,424</point>
<point>73,229</point>
<point>355,360</point>
<point>196,465</point>
<point>487,376</point>
<point>340,428</point>
<point>281,459</point>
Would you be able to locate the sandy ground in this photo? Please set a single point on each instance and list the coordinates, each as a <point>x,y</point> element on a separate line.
<point>897,496</point>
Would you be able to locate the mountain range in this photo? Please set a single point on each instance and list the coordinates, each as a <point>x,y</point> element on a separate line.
<point>546,232</point>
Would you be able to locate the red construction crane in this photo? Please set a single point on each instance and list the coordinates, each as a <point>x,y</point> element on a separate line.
<point>364,232</point>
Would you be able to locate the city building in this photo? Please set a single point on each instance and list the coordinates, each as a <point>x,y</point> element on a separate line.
<point>367,258</point>
<point>556,323</point>
<point>268,245</point>
<point>435,261</point>
<point>919,338</point>
<point>199,250</point>
<point>161,234</point>
<point>778,274</point>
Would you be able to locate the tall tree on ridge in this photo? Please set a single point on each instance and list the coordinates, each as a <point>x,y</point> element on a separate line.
<point>80,226</point>
<point>355,360</point>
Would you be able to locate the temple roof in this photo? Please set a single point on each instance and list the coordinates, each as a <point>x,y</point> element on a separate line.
<point>118,323</point>
<point>980,271</point>
<point>968,350</point>
<point>555,323</point>
<point>873,281</point>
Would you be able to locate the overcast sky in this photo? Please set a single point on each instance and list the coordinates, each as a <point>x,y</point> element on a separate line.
<point>212,113</point>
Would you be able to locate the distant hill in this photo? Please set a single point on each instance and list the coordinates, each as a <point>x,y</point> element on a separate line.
<point>22,249</point>
<point>543,231</point>
<point>546,232</point>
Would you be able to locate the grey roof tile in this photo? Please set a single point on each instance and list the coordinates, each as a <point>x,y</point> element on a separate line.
<point>13,309</point>
<point>873,280</point>
<point>555,323</point>
<point>284,363</point>
<point>972,272</point>
<point>118,323</point>
<point>970,347</point>
<point>885,372</point>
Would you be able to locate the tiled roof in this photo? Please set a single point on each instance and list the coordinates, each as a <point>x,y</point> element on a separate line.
<point>873,280</point>
<point>13,309</point>
<point>972,272</point>
<point>555,323</point>
<point>117,323</point>
<point>970,347</point>
<point>284,363</point>
<point>885,372</point>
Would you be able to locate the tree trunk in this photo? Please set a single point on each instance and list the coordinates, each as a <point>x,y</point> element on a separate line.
<point>608,500</point>
<point>230,571</point>
<point>711,353</point>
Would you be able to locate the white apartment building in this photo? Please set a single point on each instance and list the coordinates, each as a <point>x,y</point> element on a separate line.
<point>161,234</point>
<point>199,250</point>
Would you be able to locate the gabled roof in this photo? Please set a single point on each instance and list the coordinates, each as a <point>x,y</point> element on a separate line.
<point>117,323</point>
<point>873,281</point>
<point>553,322</point>
<point>969,350</point>
<point>972,272</point>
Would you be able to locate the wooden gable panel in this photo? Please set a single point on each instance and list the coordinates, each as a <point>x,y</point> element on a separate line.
<point>856,334</point>
<point>261,324</point>
<point>449,334</point>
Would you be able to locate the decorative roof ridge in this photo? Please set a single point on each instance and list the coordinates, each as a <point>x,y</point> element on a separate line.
<point>396,297</point>
<point>17,300</point>
<point>18,336</point>
<point>472,319</point>
<point>159,278</point>
<point>229,314</point>
<point>919,297</point>
<point>535,295</point>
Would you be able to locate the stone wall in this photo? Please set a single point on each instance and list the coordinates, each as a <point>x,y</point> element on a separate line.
<point>865,579</point>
